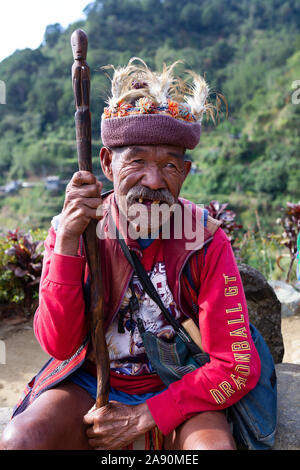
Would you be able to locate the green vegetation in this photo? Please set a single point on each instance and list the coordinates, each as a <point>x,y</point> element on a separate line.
<point>21,256</point>
<point>248,50</point>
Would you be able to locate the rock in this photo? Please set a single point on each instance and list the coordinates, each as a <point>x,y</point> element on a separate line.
<point>288,406</point>
<point>5,414</point>
<point>288,296</point>
<point>264,309</point>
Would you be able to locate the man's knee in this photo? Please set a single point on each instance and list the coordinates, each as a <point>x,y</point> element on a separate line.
<point>22,433</point>
<point>226,443</point>
<point>204,442</point>
<point>205,431</point>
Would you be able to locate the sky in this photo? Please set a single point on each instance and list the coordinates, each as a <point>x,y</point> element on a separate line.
<point>23,22</point>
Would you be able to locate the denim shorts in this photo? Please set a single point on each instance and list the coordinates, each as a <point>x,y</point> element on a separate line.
<point>87,381</point>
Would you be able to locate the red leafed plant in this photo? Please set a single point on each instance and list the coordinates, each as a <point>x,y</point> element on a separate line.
<point>220,212</point>
<point>291,228</point>
<point>24,261</point>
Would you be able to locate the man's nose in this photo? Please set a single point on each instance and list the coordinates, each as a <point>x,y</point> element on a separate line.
<point>153,178</point>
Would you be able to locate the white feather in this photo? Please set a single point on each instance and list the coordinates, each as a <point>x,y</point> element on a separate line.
<point>161,84</point>
<point>120,84</point>
<point>197,100</point>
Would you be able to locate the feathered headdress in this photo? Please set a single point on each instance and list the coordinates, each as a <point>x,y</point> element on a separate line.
<point>151,99</point>
<point>137,89</point>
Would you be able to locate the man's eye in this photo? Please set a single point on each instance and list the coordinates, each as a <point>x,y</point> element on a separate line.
<point>138,160</point>
<point>171,165</point>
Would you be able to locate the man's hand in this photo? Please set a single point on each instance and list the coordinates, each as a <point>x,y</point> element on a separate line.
<point>116,425</point>
<point>83,197</point>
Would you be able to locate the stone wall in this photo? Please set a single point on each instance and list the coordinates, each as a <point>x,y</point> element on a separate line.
<point>264,309</point>
<point>288,406</point>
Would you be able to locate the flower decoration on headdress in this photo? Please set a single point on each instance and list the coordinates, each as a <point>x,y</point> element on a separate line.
<point>184,111</point>
<point>135,89</point>
<point>107,113</point>
<point>145,105</point>
<point>123,109</point>
<point>173,108</point>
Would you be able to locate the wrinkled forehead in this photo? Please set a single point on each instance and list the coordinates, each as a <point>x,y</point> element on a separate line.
<point>149,151</point>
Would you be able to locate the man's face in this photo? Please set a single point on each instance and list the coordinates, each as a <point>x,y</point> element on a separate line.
<point>145,175</point>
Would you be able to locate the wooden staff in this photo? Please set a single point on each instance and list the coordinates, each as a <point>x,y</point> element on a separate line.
<point>81,87</point>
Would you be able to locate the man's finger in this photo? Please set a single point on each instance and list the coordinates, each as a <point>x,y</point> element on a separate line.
<point>89,418</point>
<point>99,444</point>
<point>92,202</point>
<point>83,177</point>
<point>84,213</point>
<point>92,409</point>
<point>91,433</point>
<point>84,191</point>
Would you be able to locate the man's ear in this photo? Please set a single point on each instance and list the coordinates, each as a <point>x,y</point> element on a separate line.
<point>106,162</point>
<point>187,167</point>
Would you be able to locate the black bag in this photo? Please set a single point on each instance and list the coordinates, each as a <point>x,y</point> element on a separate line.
<point>253,417</point>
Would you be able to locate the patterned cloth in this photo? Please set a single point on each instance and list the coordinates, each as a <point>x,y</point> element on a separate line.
<point>151,440</point>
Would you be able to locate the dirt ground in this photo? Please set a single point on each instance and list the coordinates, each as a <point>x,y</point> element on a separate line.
<point>24,356</point>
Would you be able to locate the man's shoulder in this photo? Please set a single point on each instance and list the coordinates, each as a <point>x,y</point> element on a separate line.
<point>199,212</point>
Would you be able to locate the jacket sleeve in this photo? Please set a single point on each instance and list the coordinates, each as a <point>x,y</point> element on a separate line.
<point>234,366</point>
<point>60,325</point>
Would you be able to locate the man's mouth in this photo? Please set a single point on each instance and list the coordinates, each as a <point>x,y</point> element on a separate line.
<point>148,202</point>
<point>149,198</point>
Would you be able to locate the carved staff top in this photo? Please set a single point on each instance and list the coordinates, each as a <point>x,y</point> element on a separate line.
<point>81,88</point>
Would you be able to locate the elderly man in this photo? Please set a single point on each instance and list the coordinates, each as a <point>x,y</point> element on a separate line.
<point>145,130</point>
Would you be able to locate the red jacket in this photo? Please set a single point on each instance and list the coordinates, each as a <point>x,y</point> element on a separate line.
<point>61,325</point>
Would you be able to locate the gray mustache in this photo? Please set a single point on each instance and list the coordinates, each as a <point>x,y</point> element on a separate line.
<point>163,195</point>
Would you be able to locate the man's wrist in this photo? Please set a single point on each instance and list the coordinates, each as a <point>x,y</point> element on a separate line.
<point>66,245</point>
<point>146,421</point>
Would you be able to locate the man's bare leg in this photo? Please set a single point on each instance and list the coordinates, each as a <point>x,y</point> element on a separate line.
<point>54,421</point>
<point>206,431</point>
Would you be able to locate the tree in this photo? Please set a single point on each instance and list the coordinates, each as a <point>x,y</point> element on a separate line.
<point>52,34</point>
